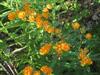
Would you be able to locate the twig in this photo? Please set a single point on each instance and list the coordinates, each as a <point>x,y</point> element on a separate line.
<point>10,70</point>
<point>18,50</point>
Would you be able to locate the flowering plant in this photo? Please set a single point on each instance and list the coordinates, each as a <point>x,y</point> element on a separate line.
<point>39,41</point>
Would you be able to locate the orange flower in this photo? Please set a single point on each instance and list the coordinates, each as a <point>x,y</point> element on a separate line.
<point>45,15</point>
<point>38,18</point>
<point>62,46</point>
<point>45,49</point>
<point>46,27</point>
<point>45,10</point>
<point>28,70</point>
<point>31,18</point>
<point>11,15</point>
<point>58,49</point>
<point>39,24</point>
<point>39,21</point>
<point>49,29</point>
<point>26,8</point>
<point>86,61</point>
<point>21,15</point>
<point>49,6</point>
<point>88,36</point>
<point>83,53</point>
<point>75,25</point>
<point>36,73</point>
<point>31,11</point>
<point>45,23</point>
<point>46,70</point>
<point>56,30</point>
<point>65,46</point>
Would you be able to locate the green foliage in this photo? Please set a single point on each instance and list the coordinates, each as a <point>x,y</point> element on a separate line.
<point>21,40</point>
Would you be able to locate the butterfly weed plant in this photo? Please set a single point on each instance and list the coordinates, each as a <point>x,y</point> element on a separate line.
<point>36,40</point>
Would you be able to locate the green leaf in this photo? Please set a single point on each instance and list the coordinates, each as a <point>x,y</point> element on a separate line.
<point>1,41</point>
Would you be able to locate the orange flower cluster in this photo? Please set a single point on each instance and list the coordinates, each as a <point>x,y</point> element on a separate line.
<point>27,8</point>
<point>84,59</point>
<point>30,15</point>
<point>45,49</point>
<point>51,29</point>
<point>88,36</point>
<point>11,15</point>
<point>83,53</point>
<point>22,14</point>
<point>45,15</point>
<point>39,20</point>
<point>28,70</point>
<point>75,25</point>
<point>46,70</point>
<point>46,9</point>
<point>62,46</point>
<point>36,73</point>
<point>44,23</point>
